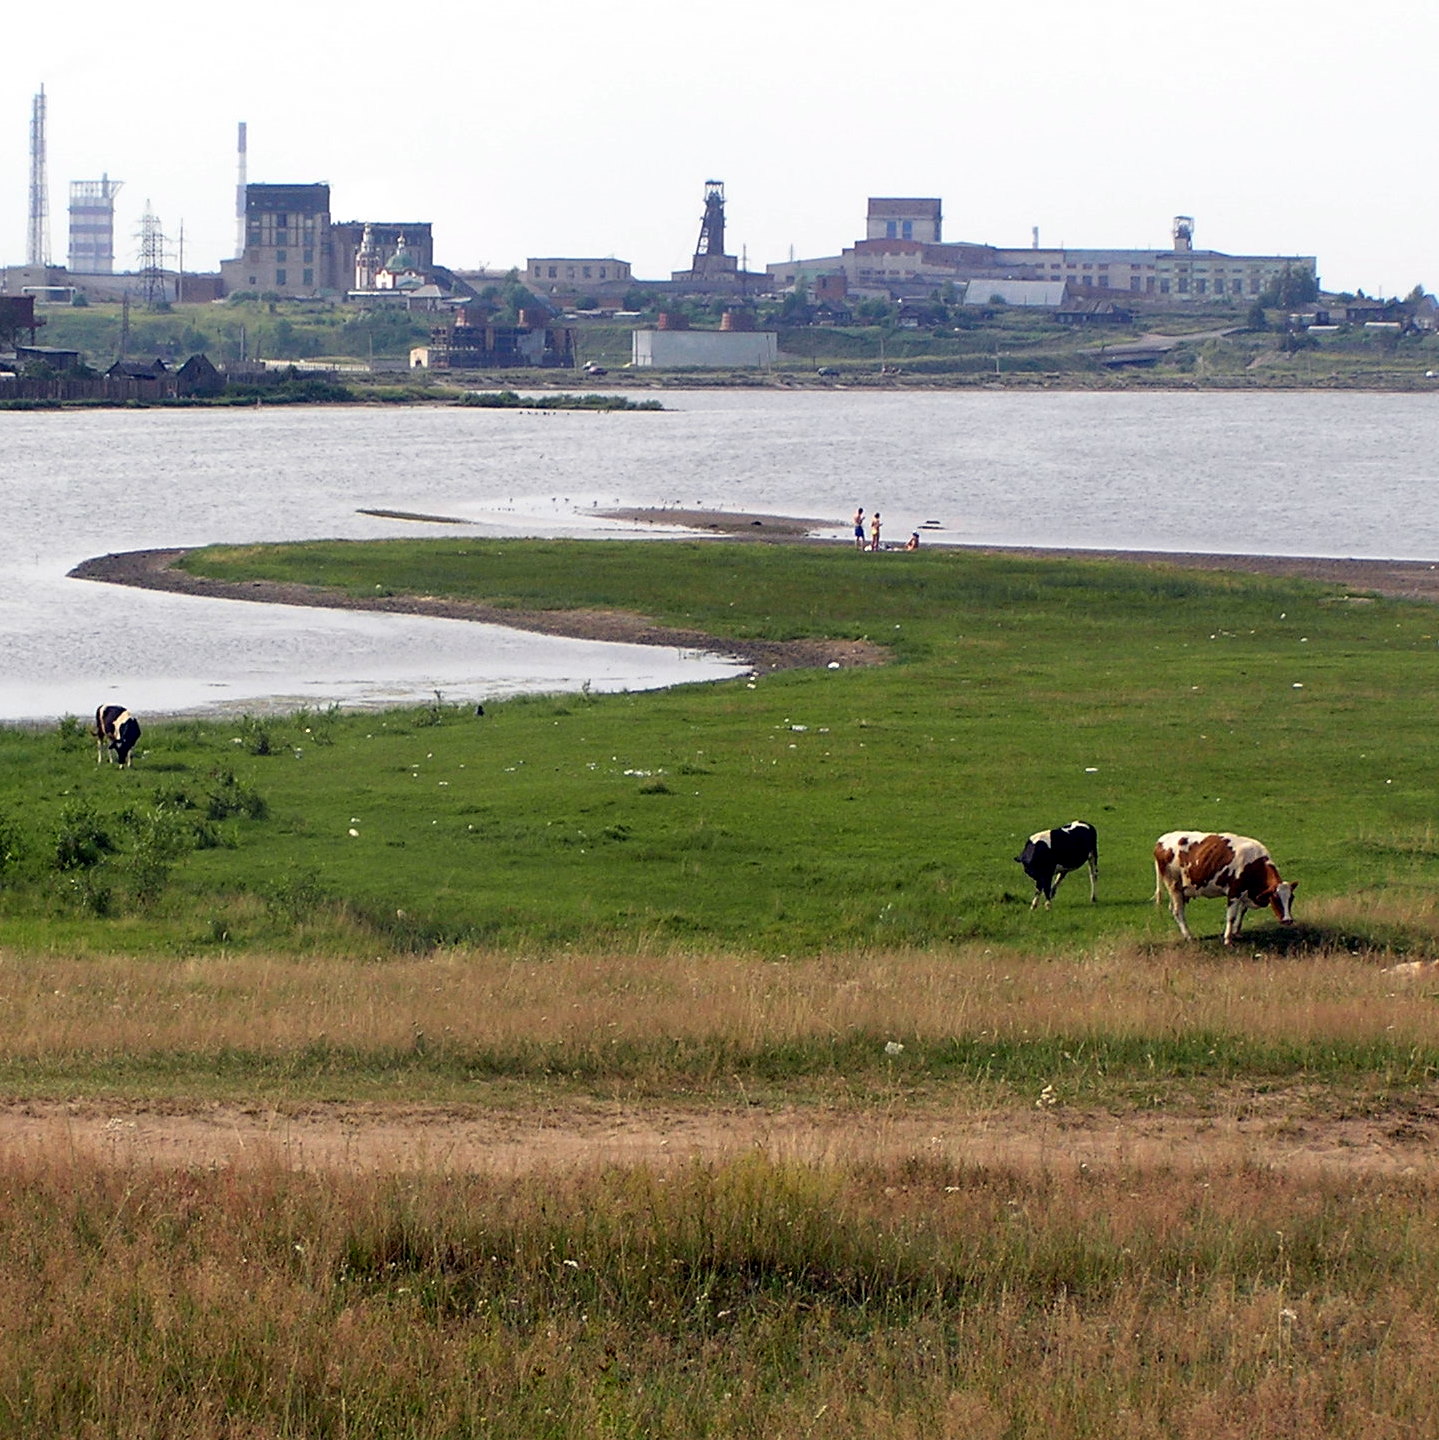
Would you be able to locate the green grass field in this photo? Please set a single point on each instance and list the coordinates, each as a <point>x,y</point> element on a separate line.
<point>802,811</point>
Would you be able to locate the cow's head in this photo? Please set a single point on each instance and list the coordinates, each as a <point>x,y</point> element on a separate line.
<point>1281,900</point>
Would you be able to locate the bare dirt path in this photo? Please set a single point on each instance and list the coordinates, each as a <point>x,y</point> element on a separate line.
<point>583,1135</point>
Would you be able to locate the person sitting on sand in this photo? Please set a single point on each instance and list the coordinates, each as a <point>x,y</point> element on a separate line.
<point>913,542</point>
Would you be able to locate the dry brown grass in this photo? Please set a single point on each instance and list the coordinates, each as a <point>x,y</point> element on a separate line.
<point>746,1299</point>
<point>51,1004</point>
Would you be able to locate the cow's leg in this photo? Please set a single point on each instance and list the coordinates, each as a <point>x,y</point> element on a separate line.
<point>1234,919</point>
<point>1176,908</point>
<point>1093,879</point>
<point>1038,896</point>
<point>1054,884</point>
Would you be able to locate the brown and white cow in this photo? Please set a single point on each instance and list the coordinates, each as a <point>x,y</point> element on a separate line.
<point>117,729</point>
<point>1192,864</point>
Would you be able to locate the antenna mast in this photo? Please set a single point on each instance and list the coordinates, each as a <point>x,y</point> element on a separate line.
<point>37,241</point>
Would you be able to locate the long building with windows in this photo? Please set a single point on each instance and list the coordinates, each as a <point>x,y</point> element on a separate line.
<point>903,254</point>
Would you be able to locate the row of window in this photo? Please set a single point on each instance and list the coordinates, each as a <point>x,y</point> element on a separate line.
<point>552,272</point>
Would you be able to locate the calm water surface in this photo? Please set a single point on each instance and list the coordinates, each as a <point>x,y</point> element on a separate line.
<point>1309,474</point>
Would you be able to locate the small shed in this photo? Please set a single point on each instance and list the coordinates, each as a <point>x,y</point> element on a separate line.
<point>197,376</point>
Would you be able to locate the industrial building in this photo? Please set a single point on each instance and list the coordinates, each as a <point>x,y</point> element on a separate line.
<point>92,226</point>
<point>293,248</point>
<point>566,281</point>
<point>474,342</point>
<point>903,254</point>
<point>736,345</point>
<point>288,245</point>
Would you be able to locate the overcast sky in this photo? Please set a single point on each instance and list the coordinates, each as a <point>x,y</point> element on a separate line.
<point>589,129</point>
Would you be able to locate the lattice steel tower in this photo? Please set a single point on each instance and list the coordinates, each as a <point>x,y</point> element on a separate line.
<point>152,258</point>
<point>37,239</point>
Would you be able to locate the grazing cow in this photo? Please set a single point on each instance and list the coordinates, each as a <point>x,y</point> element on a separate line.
<point>1049,855</point>
<point>1191,863</point>
<point>117,728</point>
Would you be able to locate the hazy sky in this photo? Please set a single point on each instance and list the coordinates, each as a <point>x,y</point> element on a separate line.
<point>568,128</point>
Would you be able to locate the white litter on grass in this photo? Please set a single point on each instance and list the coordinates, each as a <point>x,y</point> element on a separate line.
<point>355,833</point>
<point>1297,685</point>
<point>833,665</point>
<point>1091,769</point>
<point>893,1047</point>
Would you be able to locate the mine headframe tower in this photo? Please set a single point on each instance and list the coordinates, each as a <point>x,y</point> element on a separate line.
<point>711,241</point>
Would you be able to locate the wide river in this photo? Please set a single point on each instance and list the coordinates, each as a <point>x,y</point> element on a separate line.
<point>1329,474</point>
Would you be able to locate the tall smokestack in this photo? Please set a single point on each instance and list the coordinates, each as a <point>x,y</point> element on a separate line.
<point>240,198</point>
<point>37,238</point>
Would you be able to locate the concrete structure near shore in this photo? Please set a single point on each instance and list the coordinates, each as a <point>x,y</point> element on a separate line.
<point>720,349</point>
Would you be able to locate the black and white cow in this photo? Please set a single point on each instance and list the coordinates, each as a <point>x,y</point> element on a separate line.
<point>1049,855</point>
<point>118,729</point>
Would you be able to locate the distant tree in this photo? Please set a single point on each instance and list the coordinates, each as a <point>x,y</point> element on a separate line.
<point>1294,285</point>
<point>1415,295</point>
<point>874,311</point>
<point>1258,319</point>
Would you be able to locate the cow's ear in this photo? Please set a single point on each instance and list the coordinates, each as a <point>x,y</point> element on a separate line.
<point>1293,887</point>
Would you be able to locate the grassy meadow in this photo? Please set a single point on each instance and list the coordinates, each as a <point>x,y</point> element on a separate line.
<point>802,811</point>
<point>793,893</point>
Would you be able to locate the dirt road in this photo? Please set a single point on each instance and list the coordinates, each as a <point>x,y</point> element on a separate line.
<point>395,1138</point>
